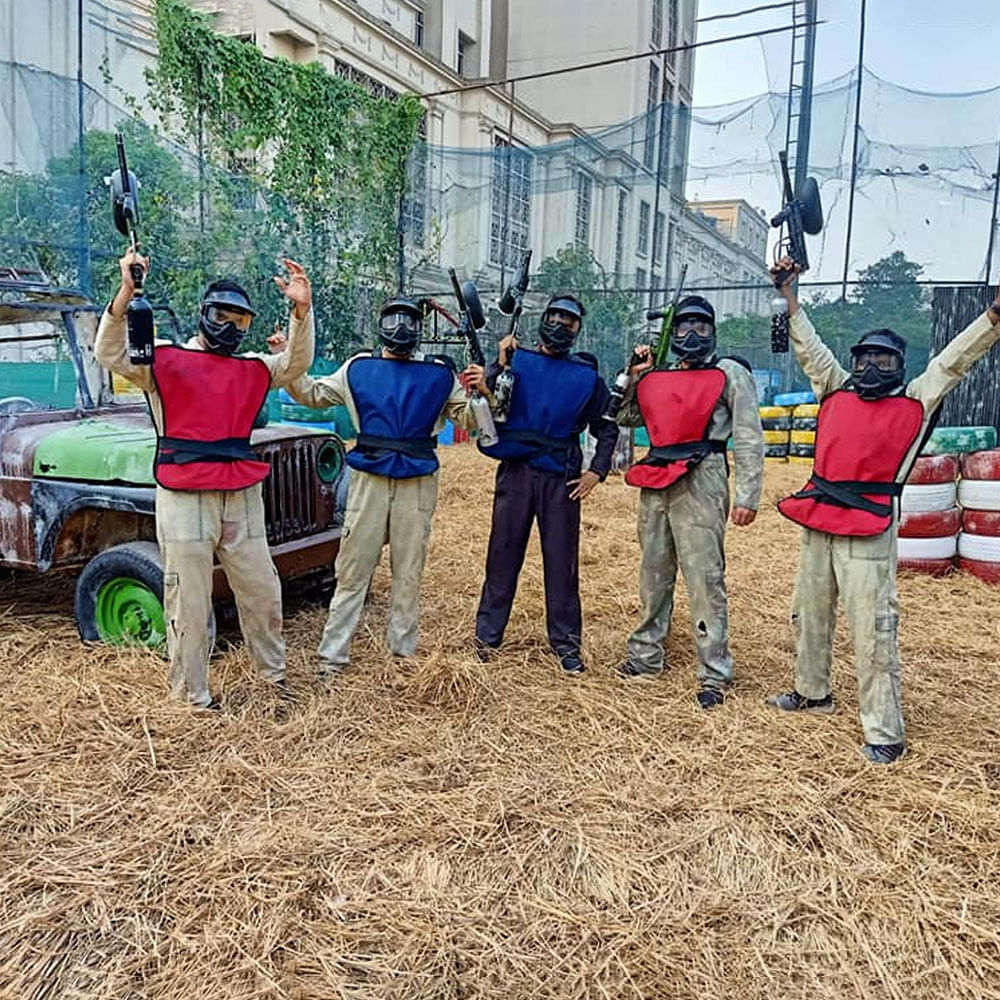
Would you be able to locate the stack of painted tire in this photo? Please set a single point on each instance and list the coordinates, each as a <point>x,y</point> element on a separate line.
<point>979,495</point>
<point>777,423</point>
<point>929,521</point>
<point>802,444</point>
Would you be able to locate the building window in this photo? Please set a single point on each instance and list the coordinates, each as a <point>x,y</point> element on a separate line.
<point>640,286</point>
<point>584,191</point>
<point>658,239</point>
<point>465,63</point>
<point>374,87</point>
<point>418,29</point>
<point>656,33</point>
<point>415,201</point>
<point>652,100</point>
<point>620,234</point>
<point>510,204</point>
<point>654,289</point>
<point>673,25</point>
<point>643,247</point>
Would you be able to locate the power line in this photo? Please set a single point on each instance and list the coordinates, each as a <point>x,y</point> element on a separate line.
<point>748,10</point>
<point>481,84</point>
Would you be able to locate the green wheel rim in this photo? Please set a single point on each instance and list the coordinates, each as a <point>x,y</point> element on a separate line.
<point>129,613</point>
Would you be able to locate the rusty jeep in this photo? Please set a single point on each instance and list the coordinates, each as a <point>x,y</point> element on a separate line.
<point>77,494</point>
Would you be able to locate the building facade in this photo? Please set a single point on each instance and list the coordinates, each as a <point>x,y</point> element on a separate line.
<point>594,158</point>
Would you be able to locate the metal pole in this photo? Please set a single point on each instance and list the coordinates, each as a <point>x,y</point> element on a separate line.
<point>659,166</point>
<point>506,207</point>
<point>854,153</point>
<point>993,218</point>
<point>805,99</point>
<point>400,248</point>
<point>83,249</point>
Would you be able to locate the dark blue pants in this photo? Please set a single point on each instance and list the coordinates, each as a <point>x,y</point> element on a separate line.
<point>523,494</point>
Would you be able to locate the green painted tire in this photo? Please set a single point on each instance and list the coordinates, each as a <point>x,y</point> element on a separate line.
<point>949,440</point>
<point>119,597</point>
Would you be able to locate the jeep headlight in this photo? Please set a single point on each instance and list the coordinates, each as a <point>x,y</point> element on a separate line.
<point>329,461</point>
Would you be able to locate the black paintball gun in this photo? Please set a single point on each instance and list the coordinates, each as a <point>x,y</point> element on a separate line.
<point>125,211</point>
<point>473,320</point>
<point>802,213</point>
<point>511,304</point>
<point>666,315</point>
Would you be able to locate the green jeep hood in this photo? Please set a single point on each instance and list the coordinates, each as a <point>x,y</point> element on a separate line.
<point>99,451</point>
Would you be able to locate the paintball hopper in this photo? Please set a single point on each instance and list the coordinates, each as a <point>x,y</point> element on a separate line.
<point>809,206</point>
<point>473,305</point>
<point>124,201</point>
<point>510,301</point>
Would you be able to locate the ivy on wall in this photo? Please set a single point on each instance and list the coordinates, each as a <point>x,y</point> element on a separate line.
<point>328,164</point>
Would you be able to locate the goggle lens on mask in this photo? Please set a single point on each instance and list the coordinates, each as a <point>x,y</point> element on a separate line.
<point>221,315</point>
<point>884,361</point>
<point>391,322</point>
<point>701,327</point>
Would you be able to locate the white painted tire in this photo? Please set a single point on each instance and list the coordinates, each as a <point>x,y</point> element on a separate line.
<point>982,548</point>
<point>935,496</point>
<point>927,548</point>
<point>979,494</point>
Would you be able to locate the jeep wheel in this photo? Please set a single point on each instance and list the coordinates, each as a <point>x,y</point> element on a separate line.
<point>119,596</point>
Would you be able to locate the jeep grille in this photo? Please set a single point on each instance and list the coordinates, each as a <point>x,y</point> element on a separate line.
<point>295,502</point>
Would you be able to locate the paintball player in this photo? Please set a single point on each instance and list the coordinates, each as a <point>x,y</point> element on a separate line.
<point>555,395</point>
<point>690,408</point>
<point>872,423</point>
<point>203,398</point>
<point>398,398</point>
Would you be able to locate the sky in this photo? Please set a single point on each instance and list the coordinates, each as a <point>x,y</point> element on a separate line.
<point>941,46</point>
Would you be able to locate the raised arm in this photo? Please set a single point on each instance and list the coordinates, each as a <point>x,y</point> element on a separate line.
<point>819,363</point>
<point>111,344</point>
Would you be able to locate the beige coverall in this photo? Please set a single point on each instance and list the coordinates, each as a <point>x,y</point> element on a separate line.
<point>684,526</point>
<point>379,510</point>
<point>863,570</point>
<point>192,527</point>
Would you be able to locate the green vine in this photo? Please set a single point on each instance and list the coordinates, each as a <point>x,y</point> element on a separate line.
<point>329,160</point>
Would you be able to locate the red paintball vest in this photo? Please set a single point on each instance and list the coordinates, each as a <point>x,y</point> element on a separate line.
<point>209,405</point>
<point>860,448</point>
<point>676,406</point>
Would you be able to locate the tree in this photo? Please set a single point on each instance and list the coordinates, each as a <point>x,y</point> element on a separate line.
<point>612,314</point>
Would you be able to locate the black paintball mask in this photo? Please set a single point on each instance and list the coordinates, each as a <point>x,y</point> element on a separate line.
<point>225,316</point>
<point>400,324</point>
<point>878,364</point>
<point>692,338</point>
<point>561,323</point>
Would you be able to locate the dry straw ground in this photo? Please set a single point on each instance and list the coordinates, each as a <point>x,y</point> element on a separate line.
<point>441,829</point>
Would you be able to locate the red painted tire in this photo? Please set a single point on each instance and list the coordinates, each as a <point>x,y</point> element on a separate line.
<point>933,469</point>
<point>981,522</point>
<point>981,464</point>
<point>930,523</point>
<point>934,567</point>
<point>986,571</point>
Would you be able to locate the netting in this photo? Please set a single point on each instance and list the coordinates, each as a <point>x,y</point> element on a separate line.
<point>924,188</point>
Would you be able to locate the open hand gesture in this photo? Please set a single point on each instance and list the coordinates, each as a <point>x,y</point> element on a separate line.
<point>297,288</point>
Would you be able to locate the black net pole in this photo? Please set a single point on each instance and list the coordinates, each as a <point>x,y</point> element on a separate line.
<point>854,153</point>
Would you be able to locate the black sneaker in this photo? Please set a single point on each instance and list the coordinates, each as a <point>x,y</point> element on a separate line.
<point>792,701</point>
<point>883,753</point>
<point>572,664</point>
<point>485,651</point>
<point>215,705</point>
<point>632,671</point>
<point>710,698</point>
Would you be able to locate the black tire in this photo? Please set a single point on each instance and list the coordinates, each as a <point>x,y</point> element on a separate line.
<point>138,562</point>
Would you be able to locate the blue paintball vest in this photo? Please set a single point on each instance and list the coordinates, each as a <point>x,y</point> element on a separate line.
<point>398,404</point>
<point>547,404</point>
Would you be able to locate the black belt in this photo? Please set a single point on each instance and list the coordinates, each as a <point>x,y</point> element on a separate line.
<point>543,441</point>
<point>420,447</point>
<point>850,493</point>
<point>666,453</point>
<point>180,451</point>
